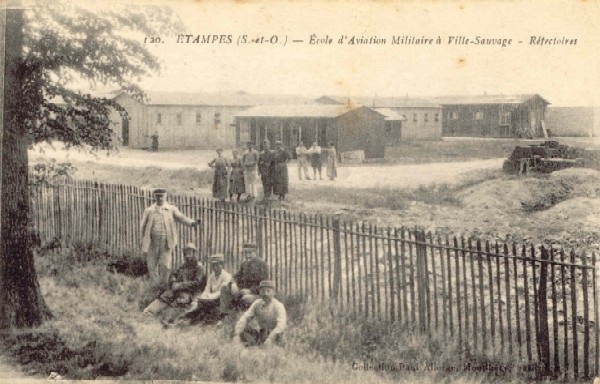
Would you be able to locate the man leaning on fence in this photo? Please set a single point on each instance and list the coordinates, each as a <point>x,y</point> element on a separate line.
<point>159,235</point>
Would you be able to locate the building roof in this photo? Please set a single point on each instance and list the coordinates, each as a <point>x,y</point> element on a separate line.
<point>314,110</point>
<point>389,114</point>
<point>379,102</point>
<point>234,99</point>
<point>487,99</point>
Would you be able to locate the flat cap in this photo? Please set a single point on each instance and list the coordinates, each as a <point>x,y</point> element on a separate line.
<point>190,246</point>
<point>217,258</point>
<point>249,246</point>
<point>267,284</point>
<point>159,190</point>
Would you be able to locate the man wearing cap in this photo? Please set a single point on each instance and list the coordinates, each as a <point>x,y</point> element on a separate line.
<point>250,163</point>
<point>245,288</point>
<point>266,162</point>
<point>185,282</point>
<point>210,298</point>
<point>159,235</point>
<point>270,315</point>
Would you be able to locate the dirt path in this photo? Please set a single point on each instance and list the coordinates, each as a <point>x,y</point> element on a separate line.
<point>380,175</point>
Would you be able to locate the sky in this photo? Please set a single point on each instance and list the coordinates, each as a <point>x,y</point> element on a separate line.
<point>566,75</point>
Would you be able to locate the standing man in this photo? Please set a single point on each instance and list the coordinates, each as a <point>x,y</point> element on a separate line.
<point>280,171</point>
<point>315,160</point>
<point>270,315</point>
<point>265,168</point>
<point>250,164</point>
<point>245,288</point>
<point>301,153</point>
<point>154,142</point>
<point>159,235</point>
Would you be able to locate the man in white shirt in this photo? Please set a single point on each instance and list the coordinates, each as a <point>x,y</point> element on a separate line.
<point>301,155</point>
<point>209,301</point>
<point>270,315</point>
<point>250,166</point>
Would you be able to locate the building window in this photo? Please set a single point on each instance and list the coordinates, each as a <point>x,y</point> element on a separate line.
<point>453,115</point>
<point>426,117</point>
<point>158,118</point>
<point>414,117</point>
<point>217,118</point>
<point>436,117</point>
<point>478,115</point>
<point>179,119</point>
<point>504,117</point>
<point>198,118</point>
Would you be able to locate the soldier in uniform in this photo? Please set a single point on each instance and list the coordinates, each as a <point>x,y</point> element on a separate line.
<point>210,299</point>
<point>244,290</point>
<point>184,283</point>
<point>265,168</point>
<point>270,316</point>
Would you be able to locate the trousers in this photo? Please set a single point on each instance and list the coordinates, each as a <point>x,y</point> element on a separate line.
<point>159,259</point>
<point>250,183</point>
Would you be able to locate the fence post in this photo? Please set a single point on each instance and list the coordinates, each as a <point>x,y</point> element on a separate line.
<point>543,336</point>
<point>259,230</point>
<point>421,248</point>
<point>337,257</point>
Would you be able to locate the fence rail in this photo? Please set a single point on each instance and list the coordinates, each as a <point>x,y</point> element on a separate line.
<point>532,301</point>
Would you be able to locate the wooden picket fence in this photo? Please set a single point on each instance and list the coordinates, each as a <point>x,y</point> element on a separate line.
<point>538,303</point>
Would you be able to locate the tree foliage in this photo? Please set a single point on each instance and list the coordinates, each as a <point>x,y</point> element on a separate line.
<point>50,53</point>
<point>67,46</point>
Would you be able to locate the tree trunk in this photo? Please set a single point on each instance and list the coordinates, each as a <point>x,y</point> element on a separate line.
<point>21,304</point>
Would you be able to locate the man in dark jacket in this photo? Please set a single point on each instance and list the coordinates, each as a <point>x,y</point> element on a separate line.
<point>266,162</point>
<point>244,290</point>
<point>184,283</point>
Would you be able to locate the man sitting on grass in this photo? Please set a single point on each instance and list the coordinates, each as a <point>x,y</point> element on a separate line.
<point>209,301</point>
<point>184,283</point>
<point>270,315</point>
<point>244,290</point>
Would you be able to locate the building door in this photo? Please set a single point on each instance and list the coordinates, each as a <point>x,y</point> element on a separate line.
<point>322,133</point>
<point>125,132</point>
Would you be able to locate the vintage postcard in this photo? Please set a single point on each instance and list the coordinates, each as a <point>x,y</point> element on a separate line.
<point>290,191</point>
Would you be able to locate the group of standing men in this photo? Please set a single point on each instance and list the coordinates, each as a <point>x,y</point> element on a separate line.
<point>315,154</point>
<point>188,287</point>
<point>270,165</point>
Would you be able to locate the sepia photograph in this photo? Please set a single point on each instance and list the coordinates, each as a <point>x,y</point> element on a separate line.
<point>272,191</point>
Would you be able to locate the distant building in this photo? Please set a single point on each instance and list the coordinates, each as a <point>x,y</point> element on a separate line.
<point>188,120</point>
<point>350,127</point>
<point>573,121</point>
<point>493,115</point>
<point>421,119</point>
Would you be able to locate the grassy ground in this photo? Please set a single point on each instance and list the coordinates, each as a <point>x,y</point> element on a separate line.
<point>98,331</point>
<point>461,149</point>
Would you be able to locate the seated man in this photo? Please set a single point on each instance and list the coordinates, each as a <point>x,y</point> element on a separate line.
<point>209,300</point>
<point>244,291</point>
<point>270,315</point>
<point>185,282</point>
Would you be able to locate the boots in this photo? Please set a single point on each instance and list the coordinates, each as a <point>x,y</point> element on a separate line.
<point>155,307</point>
